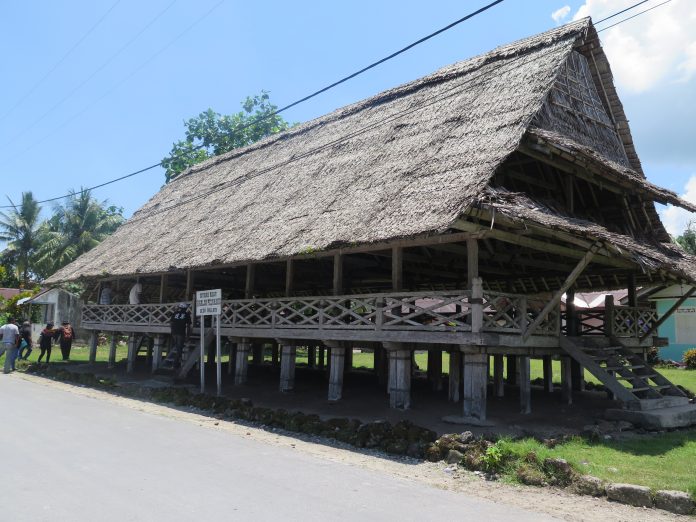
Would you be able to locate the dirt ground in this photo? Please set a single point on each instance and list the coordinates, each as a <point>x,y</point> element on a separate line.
<point>555,502</point>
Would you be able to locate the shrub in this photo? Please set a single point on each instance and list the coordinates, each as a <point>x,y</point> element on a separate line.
<point>654,356</point>
<point>690,359</point>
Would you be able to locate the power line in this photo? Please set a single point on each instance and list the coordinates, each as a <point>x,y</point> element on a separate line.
<point>94,73</point>
<point>316,93</point>
<point>622,11</point>
<point>59,62</point>
<point>631,17</point>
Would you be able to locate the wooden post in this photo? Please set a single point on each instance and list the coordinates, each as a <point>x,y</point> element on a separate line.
<point>399,377</point>
<point>132,346</point>
<point>289,277</point>
<point>93,342</point>
<point>348,358</point>
<point>311,356</point>
<point>337,274</point>
<point>525,384</point>
<point>475,385</point>
<point>572,326</point>
<point>257,354</point>
<point>321,357</point>
<point>241,368</point>
<point>548,373</point>
<point>476,305</point>
<point>157,349</point>
<point>631,287</point>
<point>435,369</point>
<point>472,261</point>
<point>609,315</point>
<point>566,380</point>
<point>163,288</point>
<point>512,370</point>
<point>287,366</point>
<point>498,378</point>
<point>249,283</point>
<point>275,354</point>
<point>397,268</point>
<point>336,373</point>
<point>112,350</point>
<point>455,374</point>
<point>189,285</point>
<point>232,361</point>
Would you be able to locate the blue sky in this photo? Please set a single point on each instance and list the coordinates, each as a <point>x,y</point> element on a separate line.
<point>119,99</point>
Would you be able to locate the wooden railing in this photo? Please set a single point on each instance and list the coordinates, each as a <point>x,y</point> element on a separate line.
<point>417,311</point>
<point>616,321</point>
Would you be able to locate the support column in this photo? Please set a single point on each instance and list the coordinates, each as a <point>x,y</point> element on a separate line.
<point>112,350</point>
<point>336,372</point>
<point>455,375</point>
<point>348,364</point>
<point>93,342</point>
<point>548,373</point>
<point>232,361</point>
<point>399,378</point>
<point>578,376</point>
<point>566,380</point>
<point>498,376</point>
<point>241,368</point>
<point>525,384</point>
<point>435,369</point>
<point>275,354</point>
<point>287,366</point>
<point>512,370</point>
<point>321,357</point>
<point>475,384</point>
<point>132,347</point>
<point>257,354</point>
<point>157,349</point>
<point>311,356</point>
<point>382,367</point>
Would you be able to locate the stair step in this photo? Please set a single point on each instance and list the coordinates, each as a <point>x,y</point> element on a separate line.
<point>626,367</point>
<point>648,376</point>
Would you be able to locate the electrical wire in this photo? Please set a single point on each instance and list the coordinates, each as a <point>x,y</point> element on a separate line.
<point>631,17</point>
<point>59,62</point>
<point>293,104</point>
<point>620,12</point>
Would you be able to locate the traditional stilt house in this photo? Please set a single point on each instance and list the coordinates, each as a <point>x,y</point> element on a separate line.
<point>447,214</point>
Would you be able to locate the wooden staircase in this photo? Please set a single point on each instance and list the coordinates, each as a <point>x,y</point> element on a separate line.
<point>192,352</point>
<point>632,381</point>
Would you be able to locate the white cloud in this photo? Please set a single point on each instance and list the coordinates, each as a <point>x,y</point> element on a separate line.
<point>676,219</point>
<point>656,47</point>
<point>561,13</point>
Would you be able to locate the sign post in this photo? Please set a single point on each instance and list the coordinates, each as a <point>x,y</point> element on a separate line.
<point>209,302</point>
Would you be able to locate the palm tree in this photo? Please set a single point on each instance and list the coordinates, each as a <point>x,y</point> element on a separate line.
<point>78,225</point>
<point>19,227</point>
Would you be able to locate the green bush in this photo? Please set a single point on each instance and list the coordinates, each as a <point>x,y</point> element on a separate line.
<point>690,359</point>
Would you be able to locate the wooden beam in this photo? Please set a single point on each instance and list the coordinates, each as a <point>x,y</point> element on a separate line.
<point>337,274</point>
<point>559,293</point>
<point>189,285</point>
<point>472,261</point>
<point>631,286</point>
<point>669,313</point>
<point>163,286</point>
<point>397,270</point>
<point>289,277</point>
<point>249,283</point>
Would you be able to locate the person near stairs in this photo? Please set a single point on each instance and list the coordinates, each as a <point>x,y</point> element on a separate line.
<point>180,325</point>
<point>45,342</point>
<point>10,340</point>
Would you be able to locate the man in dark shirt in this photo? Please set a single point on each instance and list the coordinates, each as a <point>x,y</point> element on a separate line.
<point>180,324</point>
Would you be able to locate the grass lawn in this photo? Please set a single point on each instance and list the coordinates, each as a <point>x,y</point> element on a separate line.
<point>667,461</point>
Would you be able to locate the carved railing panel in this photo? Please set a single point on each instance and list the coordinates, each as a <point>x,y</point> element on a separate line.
<point>504,312</point>
<point>433,311</point>
<point>633,321</point>
<point>134,315</point>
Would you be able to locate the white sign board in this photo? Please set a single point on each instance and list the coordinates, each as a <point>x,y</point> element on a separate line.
<point>209,302</point>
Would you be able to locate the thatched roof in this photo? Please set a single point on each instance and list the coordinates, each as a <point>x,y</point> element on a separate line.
<point>408,161</point>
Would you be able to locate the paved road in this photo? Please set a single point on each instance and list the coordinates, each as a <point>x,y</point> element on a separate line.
<point>66,457</point>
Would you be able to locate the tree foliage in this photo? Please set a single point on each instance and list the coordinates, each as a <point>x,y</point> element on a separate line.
<point>211,133</point>
<point>76,226</point>
<point>20,228</point>
<point>688,239</point>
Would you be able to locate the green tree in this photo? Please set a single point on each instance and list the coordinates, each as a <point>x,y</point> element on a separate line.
<point>211,133</point>
<point>76,226</point>
<point>19,227</point>
<point>688,239</point>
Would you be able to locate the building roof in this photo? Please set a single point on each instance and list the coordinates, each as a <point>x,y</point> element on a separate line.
<point>406,162</point>
<point>8,293</point>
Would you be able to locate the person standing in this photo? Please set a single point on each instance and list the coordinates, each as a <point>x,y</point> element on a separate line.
<point>10,341</point>
<point>64,335</point>
<point>180,324</point>
<point>25,342</point>
<point>106,295</point>
<point>45,342</point>
<point>134,294</point>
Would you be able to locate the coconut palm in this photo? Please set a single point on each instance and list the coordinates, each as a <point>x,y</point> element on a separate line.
<point>78,225</point>
<point>19,227</point>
